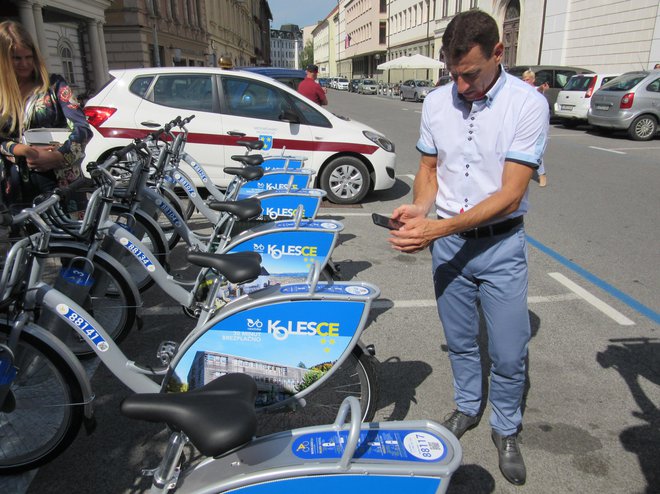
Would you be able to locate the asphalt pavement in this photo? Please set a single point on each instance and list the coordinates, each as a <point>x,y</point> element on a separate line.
<point>592,408</point>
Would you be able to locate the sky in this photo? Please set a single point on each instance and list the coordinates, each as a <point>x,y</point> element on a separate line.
<point>301,12</point>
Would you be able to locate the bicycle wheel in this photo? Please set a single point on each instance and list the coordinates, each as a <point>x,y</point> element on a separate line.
<point>152,237</point>
<point>357,377</point>
<point>42,413</point>
<point>112,300</point>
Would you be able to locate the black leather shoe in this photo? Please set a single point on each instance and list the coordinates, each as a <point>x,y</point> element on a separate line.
<point>512,465</point>
<point>458,423</point>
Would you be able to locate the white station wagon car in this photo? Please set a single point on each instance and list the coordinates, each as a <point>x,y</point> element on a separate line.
<point>350,159</point>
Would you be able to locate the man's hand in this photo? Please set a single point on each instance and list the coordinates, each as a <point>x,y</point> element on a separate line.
<point>416,233</point>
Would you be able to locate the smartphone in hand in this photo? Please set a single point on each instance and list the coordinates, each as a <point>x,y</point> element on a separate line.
<point>385,222</point>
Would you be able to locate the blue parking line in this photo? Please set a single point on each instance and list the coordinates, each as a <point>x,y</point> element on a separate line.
<point>626,299</point>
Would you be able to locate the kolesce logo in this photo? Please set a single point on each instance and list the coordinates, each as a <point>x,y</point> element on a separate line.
<point>282,329</point>
<point>274,213</point>
<point>254,324</point>
<point>277,251</point>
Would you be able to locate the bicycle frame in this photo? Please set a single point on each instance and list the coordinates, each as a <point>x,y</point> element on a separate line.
<point>387,457</point>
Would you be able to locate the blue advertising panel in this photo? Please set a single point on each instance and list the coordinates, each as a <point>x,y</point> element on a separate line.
<point>381,445</point>
<point>285,347</point>
<point>275,162</point>
<point>277,206</point>
<point>381,484</point>
<point>289,253</point>
<point>274,181</point>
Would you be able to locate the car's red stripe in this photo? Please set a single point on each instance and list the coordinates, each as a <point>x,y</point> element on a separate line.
<point>225,140</point>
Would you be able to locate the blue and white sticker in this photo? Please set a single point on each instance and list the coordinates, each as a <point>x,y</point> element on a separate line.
<point>424,446</point>
<point>139,255</point>
<point>92,334</point>
<point>268,142</point>
<point>190,189</point>
<point>200,171</point>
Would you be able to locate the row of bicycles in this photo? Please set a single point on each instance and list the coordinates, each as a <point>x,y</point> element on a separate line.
<point>274,334</point>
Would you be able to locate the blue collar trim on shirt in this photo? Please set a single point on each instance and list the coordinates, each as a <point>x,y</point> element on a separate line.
<point>497,87</point>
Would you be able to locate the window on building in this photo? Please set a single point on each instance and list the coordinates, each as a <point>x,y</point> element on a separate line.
<point>459,6</point>
<point>445,8</point>
<point>383,6</point>
<point>66,55</point>
<point>382,33</point>
<point>473,4</point>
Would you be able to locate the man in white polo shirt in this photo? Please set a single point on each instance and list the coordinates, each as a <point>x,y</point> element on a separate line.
<point>481,139</point>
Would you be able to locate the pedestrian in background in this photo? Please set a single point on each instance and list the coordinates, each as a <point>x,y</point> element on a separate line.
<point>30,98</point>
<point>481,139</point>
<point>311,89</point>
<point>530,78</point>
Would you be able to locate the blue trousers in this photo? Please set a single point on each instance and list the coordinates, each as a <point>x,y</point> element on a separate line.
<point>491,270</point>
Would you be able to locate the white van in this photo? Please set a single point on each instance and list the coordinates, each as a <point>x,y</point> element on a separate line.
<point>350,159</point>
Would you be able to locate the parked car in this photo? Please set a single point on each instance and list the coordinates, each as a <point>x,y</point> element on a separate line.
<point>353,85</point>
<point>323,81</point>
<point>573,101</point>
<point>290,77</point>
<point>556,76</point>
<point>630,102</point>
<point>445,79</point>
<point>333,82</point>
<point>368,86</point>
<point>416,90</point>
<point>342,84</point>
<point>350,159</point>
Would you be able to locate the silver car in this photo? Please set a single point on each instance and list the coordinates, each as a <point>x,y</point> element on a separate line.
<point>630,102</point>
<point>415,90</point>
<point>367,86</point>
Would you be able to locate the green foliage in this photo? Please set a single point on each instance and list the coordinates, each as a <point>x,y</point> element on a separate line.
<point>307,57</point>
<point>309,378</point>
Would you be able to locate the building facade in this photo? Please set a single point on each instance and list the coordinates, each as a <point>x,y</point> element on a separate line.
<point>601,35</point>
<point>366,35</point>
<point>70,35</point>
<point>84,39</point>
<point>286,47</point>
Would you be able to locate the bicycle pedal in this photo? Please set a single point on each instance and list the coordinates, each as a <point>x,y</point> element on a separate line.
<point>166,352</point>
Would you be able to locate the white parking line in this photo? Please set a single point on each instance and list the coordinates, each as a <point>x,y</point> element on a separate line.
<point>606,309</point>
<point>638,149</point>
<point>379,304</point>
<point>607,150</point>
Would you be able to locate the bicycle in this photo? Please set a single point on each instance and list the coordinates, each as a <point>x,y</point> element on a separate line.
<point>264,333</point>
<point>386,457</point>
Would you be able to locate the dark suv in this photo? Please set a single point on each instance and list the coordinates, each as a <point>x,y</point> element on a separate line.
<point>555,75</point>
<point>290,77</point>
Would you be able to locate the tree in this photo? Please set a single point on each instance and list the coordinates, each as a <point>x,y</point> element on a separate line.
<point>307,57</point>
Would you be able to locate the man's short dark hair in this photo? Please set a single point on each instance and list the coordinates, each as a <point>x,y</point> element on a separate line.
<point>467,29</point>
<point>312,68</point>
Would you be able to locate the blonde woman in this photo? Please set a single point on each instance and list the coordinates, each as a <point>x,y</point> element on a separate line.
<point>530,78</point>
<point>31,98</point>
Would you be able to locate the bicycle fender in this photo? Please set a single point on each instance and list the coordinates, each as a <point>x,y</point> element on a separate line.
<point>71,360</point>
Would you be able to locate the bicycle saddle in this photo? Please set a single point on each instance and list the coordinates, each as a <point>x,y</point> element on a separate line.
<point>243,210</point>
<point>249,160</point>
<point>254,145</point>
<point>248,172</point>
<point>217,417</point>
<point>237,267</point>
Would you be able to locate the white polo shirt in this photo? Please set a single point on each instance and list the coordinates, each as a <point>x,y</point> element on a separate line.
<point>509,124</point>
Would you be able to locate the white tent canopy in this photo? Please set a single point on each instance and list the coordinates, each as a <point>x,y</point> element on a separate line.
<point>412,62</point>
